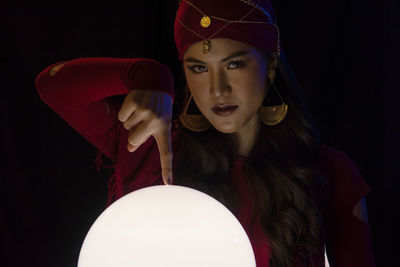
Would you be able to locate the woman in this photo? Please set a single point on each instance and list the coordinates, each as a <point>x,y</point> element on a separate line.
<point>245,138</point>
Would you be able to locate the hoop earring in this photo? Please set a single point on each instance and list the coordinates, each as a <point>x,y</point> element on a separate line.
<point>194,122</point>
<point>273,115</point>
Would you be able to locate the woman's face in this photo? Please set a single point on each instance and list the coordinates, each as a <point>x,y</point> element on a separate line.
<point>228,84</point>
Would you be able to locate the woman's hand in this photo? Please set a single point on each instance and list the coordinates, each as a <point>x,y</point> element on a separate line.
<point>145,113</point>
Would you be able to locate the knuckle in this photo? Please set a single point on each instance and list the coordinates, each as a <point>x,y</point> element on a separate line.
<point>134,142</point>
<point>156,120</point>
<point>139,108</point>
<point>132,139</point>
<point>120,115</point>
<point>147,112</point>
<point>164,118</point>
<point>133,104</point>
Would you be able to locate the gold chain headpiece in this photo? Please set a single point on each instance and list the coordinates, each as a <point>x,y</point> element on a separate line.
<point>205,22</point>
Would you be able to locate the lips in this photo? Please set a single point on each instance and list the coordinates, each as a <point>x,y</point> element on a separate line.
<point>224,110</point>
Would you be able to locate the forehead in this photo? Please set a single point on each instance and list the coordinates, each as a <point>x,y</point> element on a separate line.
<point>220,48</point>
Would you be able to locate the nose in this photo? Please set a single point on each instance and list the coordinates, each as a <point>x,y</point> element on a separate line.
<point>219,84</point>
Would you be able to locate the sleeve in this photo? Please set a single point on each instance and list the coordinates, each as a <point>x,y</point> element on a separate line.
<point>80,93</point>
<point>348,239</point>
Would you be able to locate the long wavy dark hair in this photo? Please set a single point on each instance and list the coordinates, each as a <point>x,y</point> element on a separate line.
<point>280,169</point>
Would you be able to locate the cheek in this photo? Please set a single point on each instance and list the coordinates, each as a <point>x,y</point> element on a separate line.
<point>250,86</point>
<point>196,83</point>
<point>259,76</point>
<point>258,83</point>
<point>196,88</point>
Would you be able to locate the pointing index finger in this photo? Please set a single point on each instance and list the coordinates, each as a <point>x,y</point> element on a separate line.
<point>163,139</point>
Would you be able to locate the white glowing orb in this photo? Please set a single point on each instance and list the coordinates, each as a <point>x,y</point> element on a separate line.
<point>166,226</point>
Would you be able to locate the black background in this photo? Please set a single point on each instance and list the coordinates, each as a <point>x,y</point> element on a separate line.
<point>345,54</point>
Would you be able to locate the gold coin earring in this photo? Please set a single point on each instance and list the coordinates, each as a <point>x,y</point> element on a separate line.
<point>273,115</point>
<point>193,122</point>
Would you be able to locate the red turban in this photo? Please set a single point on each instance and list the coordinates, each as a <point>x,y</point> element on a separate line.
<point>262,34</point>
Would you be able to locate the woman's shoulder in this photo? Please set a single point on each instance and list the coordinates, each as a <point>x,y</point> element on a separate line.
<point>334,161</point>
<point>330,153</point>
<point>346,184</point>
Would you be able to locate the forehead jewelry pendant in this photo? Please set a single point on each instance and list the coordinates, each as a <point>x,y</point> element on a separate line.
<point>205,22</point>
<point>206,47</point>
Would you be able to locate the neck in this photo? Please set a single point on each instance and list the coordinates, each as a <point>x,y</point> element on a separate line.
<point>246,136</point>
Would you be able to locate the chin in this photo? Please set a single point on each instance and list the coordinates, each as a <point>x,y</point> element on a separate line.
<point>228,129</point>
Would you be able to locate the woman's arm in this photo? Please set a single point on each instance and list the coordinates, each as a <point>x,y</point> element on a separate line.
<point>349,243</point>
<point>348,240</point>
<point>79,91</point>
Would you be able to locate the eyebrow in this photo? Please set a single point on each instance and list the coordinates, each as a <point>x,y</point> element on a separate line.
<point>236,54</point>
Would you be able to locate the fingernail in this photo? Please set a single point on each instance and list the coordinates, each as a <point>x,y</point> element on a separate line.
<point>169,181</point>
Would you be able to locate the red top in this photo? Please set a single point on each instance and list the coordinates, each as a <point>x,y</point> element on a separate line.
<point>78,93</point>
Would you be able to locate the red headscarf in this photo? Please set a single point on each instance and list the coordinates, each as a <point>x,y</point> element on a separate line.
<point>263,34</point>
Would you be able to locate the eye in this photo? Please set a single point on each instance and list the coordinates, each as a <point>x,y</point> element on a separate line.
<point>197,68</point>
<point>236,64</point>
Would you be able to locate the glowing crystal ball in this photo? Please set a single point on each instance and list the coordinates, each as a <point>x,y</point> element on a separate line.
<point>166,226</point>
